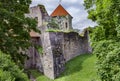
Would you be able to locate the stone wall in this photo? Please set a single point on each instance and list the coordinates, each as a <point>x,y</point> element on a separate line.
<point>34,59</point>
<point>40,14</point>
<point>60,47</point>
<point>48,62</point>
<point>70,44</point>
<point>56,40</point>
<point>74,45</point>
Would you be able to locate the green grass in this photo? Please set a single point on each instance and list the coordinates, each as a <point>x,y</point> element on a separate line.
<point>59,30</point>
<point>81,68</point>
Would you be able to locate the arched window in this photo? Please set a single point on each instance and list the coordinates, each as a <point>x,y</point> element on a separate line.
<point>66,25</point>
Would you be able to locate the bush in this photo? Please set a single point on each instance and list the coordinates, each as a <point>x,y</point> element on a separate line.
<point>9,71</point>
<point>6,76</point>
<point>108,62</point>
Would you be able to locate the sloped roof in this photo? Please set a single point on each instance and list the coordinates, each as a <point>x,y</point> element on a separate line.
<point>34,34</point>
<point>59,11</point>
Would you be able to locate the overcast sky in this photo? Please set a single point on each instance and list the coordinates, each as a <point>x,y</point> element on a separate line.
<point>74,7</point>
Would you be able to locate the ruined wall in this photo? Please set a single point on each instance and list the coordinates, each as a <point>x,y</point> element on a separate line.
<point>34,59</point>
<point>71,44</point>
<point>48,62</point>
<point>74,45</point>
<point>60,47</point>
<point>56,40</point>
<point>40,14</point>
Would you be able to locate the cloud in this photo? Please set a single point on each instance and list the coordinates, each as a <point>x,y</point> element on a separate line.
<point>74,7</point>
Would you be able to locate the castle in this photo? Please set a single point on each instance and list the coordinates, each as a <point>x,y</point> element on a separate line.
<point>55,47</point>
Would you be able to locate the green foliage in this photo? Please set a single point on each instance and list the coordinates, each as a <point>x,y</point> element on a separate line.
<point>42,7</point>
<point>64,31</point>
<point>118,31</point>
<point>106,13</point>
<point>9,71</point>
<point>105,37</point>
<point>98,34</point>
<point>89,3</point>
<point>40,50</point>
<point>52,24</point>
<point>54,30</point>
<point>108,63</point>
<point>15,27</point>
<point>35,73</point>
<point>6,76</point>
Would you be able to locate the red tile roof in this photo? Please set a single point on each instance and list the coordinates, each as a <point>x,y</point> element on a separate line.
<point>34,34</point>
<point>59,11</point>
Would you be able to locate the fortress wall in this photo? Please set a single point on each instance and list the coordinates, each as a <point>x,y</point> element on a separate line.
<point>58,56</point>
<point>63,47</point>
<point>70,44</point>
<point>74,45</point>
<point>48,62</point>
<point>58,48</point>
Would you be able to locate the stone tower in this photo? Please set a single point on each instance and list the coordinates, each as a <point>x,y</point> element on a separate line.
<point>62,18</point>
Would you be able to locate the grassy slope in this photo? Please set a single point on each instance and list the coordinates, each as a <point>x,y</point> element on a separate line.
<point>81,68</point>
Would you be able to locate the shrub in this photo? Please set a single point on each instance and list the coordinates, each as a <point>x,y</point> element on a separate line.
<point>108,62</point>
<point>9,71</point>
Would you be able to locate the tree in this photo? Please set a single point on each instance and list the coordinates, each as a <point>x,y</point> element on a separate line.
<point>107,15</point>
<point>15,27</point>
<point>105,37</point>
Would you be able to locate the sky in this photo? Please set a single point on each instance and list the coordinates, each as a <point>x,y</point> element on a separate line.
<point>74,7</point>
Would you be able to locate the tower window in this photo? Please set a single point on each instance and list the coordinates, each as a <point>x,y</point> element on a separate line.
<point>66,25</point>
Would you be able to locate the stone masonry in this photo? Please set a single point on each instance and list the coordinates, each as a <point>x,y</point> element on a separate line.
<point>58,47</point>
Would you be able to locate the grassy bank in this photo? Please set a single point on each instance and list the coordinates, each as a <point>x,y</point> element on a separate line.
<point>81,68</point>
